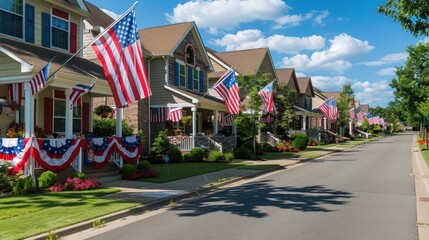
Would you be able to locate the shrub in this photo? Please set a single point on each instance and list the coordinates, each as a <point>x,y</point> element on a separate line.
<point>268,147</point>
<point>229,156</point>
<point>198,154</point>
<point>76,184</point>
<point>103,111</point>
<point>283,147</point>
<point>143,164</point>
<point>105,127</point>
<point>47,179</point>
<point>175,155</point>
<point>23,185</point>
<point>243,153</point>
<point>216,156</point>
<point>299,140</point>
<point>160,145</point>
<point>127,170</point>
<point>312,142</point>
<point>259,147</point>
<point>187,157</point>
<point>79,175</point>
<point>6,180</point>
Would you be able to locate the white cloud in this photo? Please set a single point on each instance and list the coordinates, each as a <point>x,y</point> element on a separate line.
<point>254,38</point>
<point>291,20</point>
<point>218,15</point>
<point>111,14</point>
<point>387,59</point>
<point>319,18</point>
<point>328,83</point>
<point>378,92</point>
<point>343,46</point>
<point>387,72</point>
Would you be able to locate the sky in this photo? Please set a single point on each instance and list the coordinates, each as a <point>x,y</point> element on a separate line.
<point>335,42</point>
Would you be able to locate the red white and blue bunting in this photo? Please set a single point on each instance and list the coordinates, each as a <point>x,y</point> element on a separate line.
<point>58,154</point>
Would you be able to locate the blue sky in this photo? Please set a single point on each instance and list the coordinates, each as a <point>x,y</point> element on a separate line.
<point>333,41</point>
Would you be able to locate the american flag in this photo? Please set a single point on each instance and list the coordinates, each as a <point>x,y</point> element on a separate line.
<point>119,51</point>
<point>157,114</point>
<point>15,92</point>
<point>267,119</point>
<point>78,91</point>
<point>376,119</point>
<point>175,114</point>
<point>266,95</point>
<point>369,117</point>
<point>229,119</point>
<point>360,115</point>
<point>329,109</point>
<point>227,88</point>
<point>39,81</point>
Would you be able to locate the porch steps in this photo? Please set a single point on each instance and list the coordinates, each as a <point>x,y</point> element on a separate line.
<point>106,174</point>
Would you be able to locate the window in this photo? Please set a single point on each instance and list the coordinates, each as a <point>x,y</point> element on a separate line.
<point>60,117</point>
<point>182,75</point>
<point>196,79</point>
<point>190,55</point>
<point>60,33</point>
<point>11,17</point>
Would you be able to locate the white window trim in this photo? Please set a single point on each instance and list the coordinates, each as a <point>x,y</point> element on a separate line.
<point>68,31</point>
<point>22,22</point>
<point>53,114</point>
<point>197,88</point>
<point>186,75</point>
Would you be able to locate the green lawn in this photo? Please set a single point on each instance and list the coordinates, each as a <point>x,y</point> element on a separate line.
<point>177,171</point>
<point>27,215</point>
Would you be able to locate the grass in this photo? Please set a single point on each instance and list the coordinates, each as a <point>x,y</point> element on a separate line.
<point>27,215</point>
<point>178,171</point>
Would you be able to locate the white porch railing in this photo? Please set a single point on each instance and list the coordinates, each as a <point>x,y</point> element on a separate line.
<point>273,139</point>
<point>117,159</point>
<point>367,135</point>
<point>213,145</point>
<point>184,143</point>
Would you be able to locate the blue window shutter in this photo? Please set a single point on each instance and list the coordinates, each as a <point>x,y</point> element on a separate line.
<point>201,81</point>
<point>176,73</point>
<point>29,23</point>
<point>190,77</point>
<point>46,29</point>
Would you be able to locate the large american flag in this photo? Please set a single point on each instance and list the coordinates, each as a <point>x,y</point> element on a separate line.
<point>360,116</point>
<point>228,90</point>
<point>157,114</point>
<point>175,114</point>
<point>329,109</point>
<point>39,80</point>
<point>78,91</point>
<point>369,117</point>
<point>119,51</point>
<point>266,95</point>
<point>15,92</point>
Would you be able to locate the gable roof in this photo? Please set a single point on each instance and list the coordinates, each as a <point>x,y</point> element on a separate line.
<point>246,62</point>
<point>164,40</point>
<point>287,78</point>
<point>364,108</point>
<point>304,84</point>
<point>98,17</point>
<point>334,95</point>
<point>319,92</point>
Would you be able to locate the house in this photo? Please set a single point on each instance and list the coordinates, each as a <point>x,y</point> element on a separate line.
<point>39,32</point>
<point>177,66</point>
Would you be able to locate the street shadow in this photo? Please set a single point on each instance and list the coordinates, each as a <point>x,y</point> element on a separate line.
<point>249,199</point>
<point>331,160</point>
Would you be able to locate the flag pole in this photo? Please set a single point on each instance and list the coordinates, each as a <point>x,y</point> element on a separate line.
<point>218,82</point>
<point>87,73</point>
<point>95,39</point>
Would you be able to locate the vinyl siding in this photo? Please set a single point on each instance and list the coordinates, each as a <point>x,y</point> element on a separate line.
<point>8,66</point>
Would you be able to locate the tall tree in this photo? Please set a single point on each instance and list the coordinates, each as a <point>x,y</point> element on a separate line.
<point>285,100</point>
<point>412,14</point>
<point>345,103</point>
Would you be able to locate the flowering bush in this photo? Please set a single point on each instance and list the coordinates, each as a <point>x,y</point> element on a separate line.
<point>76,184</point>
<point>286,147</point>
<point>15,130</point>
<point>421,142</point>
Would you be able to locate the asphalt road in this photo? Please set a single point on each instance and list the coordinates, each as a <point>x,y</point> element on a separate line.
<point>363,193</point>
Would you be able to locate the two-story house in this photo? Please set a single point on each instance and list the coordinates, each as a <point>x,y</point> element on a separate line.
<point>33,33</point>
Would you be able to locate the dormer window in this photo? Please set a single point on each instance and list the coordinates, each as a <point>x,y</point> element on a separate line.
<point>190,54</point>
<point>11,17</point>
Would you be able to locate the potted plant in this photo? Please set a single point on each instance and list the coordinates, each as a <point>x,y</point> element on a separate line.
<point>103,111</point>
<point>187,120</point>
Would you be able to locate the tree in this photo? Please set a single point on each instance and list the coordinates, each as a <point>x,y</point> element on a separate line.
<point>345,102</point>
<point>285,100</point>
<point>412,14</point>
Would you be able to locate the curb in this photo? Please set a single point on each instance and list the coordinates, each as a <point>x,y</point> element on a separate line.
<point>157,204</point>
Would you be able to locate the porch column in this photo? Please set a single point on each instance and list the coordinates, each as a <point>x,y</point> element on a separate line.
<point>91,110</point>
<point>318,129</point>
<point>119,116</point>
<point>27,109</point>
<point>194,124</point>
<point>69,115</point>
<point>215,121</point>
<point>325,124</point>
<point>350,127</point>
<point>304,122</point>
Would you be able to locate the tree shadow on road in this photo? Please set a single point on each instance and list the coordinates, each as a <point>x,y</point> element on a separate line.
<point>247,200</point>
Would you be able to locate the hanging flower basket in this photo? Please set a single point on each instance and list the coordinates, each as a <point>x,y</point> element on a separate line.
<point>187,120</point>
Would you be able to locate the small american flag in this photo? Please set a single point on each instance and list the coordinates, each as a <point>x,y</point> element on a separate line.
<point>119,51</point>
<point>329,109</point>
<point>360,115</point>
<point>267,119</point>
<point>370,120</point>
<point>266,95</point>
<point>227,88</point>
<point>39,81</point>
<point>157,114</point>
<point>229,119</point>
<point>175,114</point>
<point>78,91</point>
<point>15,92</point>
